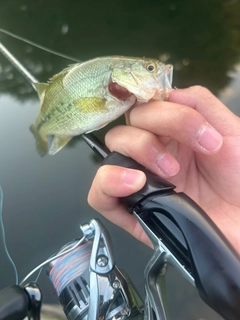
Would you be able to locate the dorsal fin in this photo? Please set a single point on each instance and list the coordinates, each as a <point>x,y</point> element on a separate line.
<point>56,76</point>
<point>62,73</point>
<point>41,88</point>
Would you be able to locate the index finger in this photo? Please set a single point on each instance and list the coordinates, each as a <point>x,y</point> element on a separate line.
<point>209,106</point>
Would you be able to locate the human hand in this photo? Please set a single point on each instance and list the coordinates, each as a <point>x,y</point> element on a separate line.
<point>193,141</point>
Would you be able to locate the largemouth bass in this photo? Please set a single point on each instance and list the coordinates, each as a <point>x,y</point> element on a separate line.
<point>87,96</point>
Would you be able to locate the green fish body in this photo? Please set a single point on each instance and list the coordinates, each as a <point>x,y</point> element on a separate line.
<point>87,96</point>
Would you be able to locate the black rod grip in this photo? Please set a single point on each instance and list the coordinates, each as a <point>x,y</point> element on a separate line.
<point>215,265</point>
<point>153,184</point>
<point>14,303</point>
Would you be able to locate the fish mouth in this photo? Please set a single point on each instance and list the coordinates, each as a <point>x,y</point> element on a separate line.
<point>119,92</point>
<point>168,76</point>
<point>161,92</point>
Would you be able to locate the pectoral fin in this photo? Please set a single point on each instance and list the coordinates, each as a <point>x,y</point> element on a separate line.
<point>58,143</point>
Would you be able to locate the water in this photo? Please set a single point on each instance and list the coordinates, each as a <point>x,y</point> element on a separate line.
<point>45,198</point>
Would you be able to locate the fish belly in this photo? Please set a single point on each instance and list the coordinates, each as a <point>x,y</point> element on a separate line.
<point>80,116</point>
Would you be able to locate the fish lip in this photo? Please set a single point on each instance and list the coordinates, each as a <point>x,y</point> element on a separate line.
<point>165,83</point>
<point>170,73</point>
<point>167,77</point>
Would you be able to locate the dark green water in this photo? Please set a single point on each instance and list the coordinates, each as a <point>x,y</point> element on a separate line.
<point>45,198</point>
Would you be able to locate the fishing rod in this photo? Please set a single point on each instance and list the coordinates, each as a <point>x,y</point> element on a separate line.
<point>18,65</point>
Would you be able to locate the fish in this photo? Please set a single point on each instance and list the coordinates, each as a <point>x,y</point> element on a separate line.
<point>87,96</point>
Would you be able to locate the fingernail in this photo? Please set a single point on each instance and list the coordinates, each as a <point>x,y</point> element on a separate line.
<point>209,139</point>
<point>168,165</point>
<point>133,177</point>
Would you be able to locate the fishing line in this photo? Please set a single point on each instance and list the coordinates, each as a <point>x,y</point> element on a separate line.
<point>39,46</point>
<point>4,237</point>
<point>70,266</point>
<point>40,271</point>
<point>51,259</point>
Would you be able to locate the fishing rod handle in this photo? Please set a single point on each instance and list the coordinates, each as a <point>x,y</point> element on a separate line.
<point>215,265</point>
<point>14,302</point>
<point>153,184</point>
<point>17,303</point>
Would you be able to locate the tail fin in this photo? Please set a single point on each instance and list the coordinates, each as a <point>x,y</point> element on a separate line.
<point>41,143</point>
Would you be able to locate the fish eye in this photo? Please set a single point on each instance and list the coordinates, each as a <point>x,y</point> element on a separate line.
<point>150,67</point>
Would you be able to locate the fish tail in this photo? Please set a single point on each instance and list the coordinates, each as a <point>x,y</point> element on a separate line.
<point>41,143</point>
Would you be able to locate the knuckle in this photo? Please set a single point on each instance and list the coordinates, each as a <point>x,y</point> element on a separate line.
<point>200,90</point>
<point>144,138</point>
<point>113,131</point>
<point>185,120</point>
<point>182,114</point>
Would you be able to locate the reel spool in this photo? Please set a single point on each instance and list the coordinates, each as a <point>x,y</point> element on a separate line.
<point>88,283</point>
<point>70,277</point>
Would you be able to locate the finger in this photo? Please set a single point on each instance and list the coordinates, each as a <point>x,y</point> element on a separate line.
<point>181,123</point>
<point>212,109</point>
<point>110,183</point>
<point>143,146</point>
